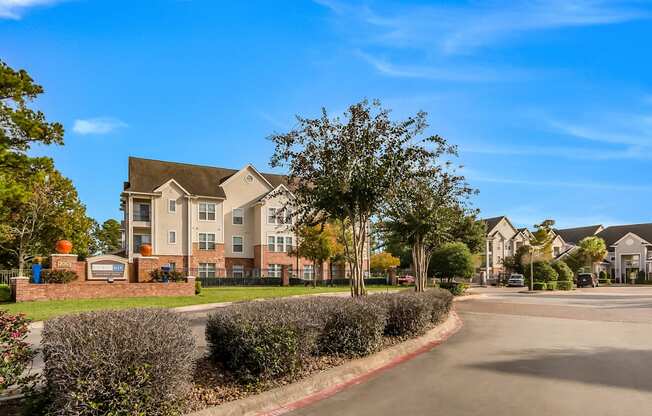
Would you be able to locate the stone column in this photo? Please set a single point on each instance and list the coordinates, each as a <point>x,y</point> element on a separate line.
<point>63,262</point>
<point>285,276</point>
<point>19,287</point>
<point>143,266</point>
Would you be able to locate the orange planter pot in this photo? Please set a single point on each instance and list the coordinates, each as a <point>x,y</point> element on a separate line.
<point>63,247</point>
<point>146,250</point>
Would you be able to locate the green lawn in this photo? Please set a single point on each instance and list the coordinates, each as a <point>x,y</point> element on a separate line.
<point>41,310</point>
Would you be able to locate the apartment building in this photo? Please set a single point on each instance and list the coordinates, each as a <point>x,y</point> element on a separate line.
<point>629,247</point>
<point>215,221</point>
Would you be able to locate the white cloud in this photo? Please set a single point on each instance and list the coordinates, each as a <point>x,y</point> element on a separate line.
<point>14,9</point>
<point>629,152</point>
<point>461,30</point>
<point>98,125</point>
<point>627,129</point>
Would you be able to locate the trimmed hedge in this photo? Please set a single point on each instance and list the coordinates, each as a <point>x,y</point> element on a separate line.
<point>408,313</point>
<point>539,286</point>
<point>198,287</point>
<point>158,275</point>
<point>58,276</point>
<point>258,341</point>
<point>551,285</point>
<point>456,288</point>
<point>565,285</point>
<point>5,293</point>
<point>130,362</point>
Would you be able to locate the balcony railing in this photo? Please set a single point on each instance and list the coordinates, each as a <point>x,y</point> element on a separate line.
<point>141,216</point>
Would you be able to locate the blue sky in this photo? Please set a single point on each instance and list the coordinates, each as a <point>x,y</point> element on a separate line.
<point>550,101</point>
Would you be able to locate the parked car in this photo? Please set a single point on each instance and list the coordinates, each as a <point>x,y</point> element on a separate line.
<point>406,280</point>
<point>587,279</point>
<point>516,280</point>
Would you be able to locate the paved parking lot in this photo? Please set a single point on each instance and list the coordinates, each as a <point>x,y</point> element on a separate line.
<point>586,352</point>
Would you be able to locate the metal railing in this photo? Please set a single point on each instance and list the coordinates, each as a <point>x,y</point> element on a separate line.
<point>6,275</point>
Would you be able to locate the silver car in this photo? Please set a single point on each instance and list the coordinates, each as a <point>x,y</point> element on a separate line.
<point>516,280</point>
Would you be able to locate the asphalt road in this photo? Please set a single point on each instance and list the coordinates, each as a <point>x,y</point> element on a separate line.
<point>588,352</point>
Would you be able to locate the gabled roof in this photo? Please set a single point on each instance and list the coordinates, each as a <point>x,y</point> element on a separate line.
<point>493,222</point>
<point>145,175</point>
<point>611,235</point>
<point>575,235</point>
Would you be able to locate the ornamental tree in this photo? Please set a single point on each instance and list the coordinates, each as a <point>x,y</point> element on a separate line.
<point>346,168</point>
<point>593,249</point>
<point>452,260</point>
<point>384,261</point>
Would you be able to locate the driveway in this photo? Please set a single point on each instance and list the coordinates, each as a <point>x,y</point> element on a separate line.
<point>576,353</point>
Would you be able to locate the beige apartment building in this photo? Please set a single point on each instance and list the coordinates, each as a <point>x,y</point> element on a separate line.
<point>213,221</point>
<point>629,247</point>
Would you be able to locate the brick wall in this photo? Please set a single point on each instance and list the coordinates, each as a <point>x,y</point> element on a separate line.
<point>179,261</point>
<point>25,291</point>
<point>68,262</point>
<point>207,256</point>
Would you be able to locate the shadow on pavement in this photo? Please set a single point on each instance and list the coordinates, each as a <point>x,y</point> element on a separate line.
<point>612,367</point>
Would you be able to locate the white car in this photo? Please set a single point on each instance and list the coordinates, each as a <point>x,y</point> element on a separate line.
<point>516,280</point>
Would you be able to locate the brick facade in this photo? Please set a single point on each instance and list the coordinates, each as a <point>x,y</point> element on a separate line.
<point>25,291</point>
<point>207,256</point>
<point>68,262</point>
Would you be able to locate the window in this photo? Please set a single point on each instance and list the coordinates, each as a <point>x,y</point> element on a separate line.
<point>271,215</point>
<point>307,271</point>
<point>288,244</point>
<point>238,216</point>
<point>279,244</point>
<point>172,237</point>
<point>237,244</point>
<point>207,211</point>
<point>271,241</point>
<point>206,241</point>
<point>141,212</point>
<point>206,269</point>
<point>274,270</point>
<point>237,270</point>
<point>139,240</point>
<point>172,206</point>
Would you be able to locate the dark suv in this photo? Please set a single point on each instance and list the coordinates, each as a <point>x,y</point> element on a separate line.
<point>587,279</point>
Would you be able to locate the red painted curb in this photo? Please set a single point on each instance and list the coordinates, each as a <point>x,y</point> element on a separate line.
<point>330,391</point>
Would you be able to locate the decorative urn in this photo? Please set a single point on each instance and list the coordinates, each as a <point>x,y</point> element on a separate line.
<point>146,250</point>
<point>63,247</point>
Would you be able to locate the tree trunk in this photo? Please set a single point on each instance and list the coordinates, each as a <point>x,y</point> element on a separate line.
<point>420,266</point>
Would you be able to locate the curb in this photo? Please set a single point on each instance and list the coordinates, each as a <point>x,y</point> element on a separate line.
<point>322,385</point>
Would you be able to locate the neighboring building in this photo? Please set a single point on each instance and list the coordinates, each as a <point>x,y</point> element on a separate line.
<point>214,221</point>
<point>629,246</point>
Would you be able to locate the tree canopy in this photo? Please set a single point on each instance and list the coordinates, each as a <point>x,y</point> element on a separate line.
<point>593,249</point>
<point>383,261</point>
<point>346,168</point>
<point>452,260</point>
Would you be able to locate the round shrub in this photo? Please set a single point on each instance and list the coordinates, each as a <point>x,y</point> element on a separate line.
<point>15,352</point>
<point>353,329</point>
<point>563,271</point>
<point>136,361</point>
<point>456,288</point>
<point>5,293</point>
<point>408,313</point>
<point>263,340</point>
<point>539,286</point>
<point>198,287</point>
<point>58,276</point>
<point>543,272</point>
<point>565,285</point>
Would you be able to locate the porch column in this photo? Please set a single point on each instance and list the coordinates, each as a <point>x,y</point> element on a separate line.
<point>484,279</point>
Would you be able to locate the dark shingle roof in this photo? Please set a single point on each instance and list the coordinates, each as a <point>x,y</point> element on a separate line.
<point>145,175</point>
<point>575,235</point>
<point>492,222</point>
<point>612,234</point>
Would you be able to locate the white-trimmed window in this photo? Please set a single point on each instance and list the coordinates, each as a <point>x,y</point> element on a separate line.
<point>271,243</point>
<point>237,270</point>
<point>172,206</point>
<point>206,241</point>
<point>279,244</point>
<point>237,244</point>
<point>207,211</point>
<point>308,271</point>
<point>172,237</point>
<point>288,244</point>
<point>274,270</point>
<point>237,216</point>
<point>206,269</point>
<point>271,215</point>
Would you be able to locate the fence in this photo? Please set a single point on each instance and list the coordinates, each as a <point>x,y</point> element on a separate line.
<point>6,275</point>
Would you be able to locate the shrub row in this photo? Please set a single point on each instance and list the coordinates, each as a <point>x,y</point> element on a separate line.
<point>5,292</point>
<point>262,340</point>
<point>456,288</point>
<point>565,285</point>
<point>58,276</point>
<point>130,362</point>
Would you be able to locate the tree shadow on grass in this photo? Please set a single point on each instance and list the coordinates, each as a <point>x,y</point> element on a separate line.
<point>612,367</point>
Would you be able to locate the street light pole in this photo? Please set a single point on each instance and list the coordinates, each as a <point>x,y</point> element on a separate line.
<point>531,268</point>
